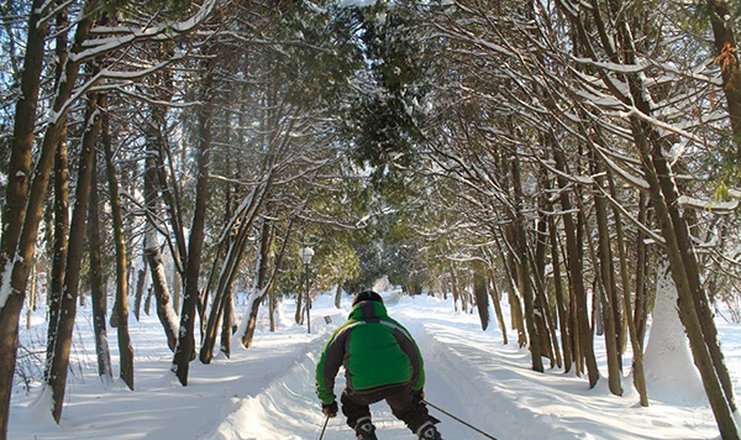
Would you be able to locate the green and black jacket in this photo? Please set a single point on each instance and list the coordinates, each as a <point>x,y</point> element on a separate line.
<point>376,351</point>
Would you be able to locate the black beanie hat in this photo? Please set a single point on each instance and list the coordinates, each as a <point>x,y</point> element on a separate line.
<point>367,295</point>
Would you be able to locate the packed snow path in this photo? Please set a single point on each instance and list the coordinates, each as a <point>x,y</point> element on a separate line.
<point>473,375</point>
<point>267,392</point>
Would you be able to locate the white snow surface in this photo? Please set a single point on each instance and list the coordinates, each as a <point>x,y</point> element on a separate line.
<point>668,345</point>
<point>267,392</point>
<point>5,286</point>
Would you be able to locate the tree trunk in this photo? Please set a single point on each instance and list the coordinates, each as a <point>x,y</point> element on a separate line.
<point>299,301</point>
<point>126,351</point>
<point>152,255</point>
<point>176,290</point>
<point>68,304</point>
<point>185,349</point>
<point>725,44</point>
<point>690,268</point>
<point>639,377</point>
<point>517,321</point>
<point>606,284</point>
<point>165,311</point>
<point>496,299</point>
<point>454,286</point>
<point>59,260</point>
<point>221,303</point>
<point>543,315</point>
<point>651,156</point>
<point>223,297</point>
<point>641,311</point>
<point>140,278</point>
<point>479,292</point>
<point>583,339</point>
<point>21,216</point>
<point>563,314</point>
<point>148,301</point>
<point>338,294</point>
<point>261,281</point>
<point>524,269</point>
<point>32,296</point>
<point>97,287</point>
<point>227,327</point>
<point>61,206</point>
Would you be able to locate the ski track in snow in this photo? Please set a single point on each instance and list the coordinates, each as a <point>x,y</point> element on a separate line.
<point>473,375</point>
<point>267,392</point>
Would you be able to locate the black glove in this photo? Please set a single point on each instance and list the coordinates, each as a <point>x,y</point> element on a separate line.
<point>418,396</point>
<point>330,410</point>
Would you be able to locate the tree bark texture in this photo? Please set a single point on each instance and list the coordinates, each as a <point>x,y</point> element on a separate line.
<point>583,338</point>
<point>725,45</point>
<point>23,205</point>
<point>98,293</point>
<point>126,351</point>
<point>525,282</point>
<point>687,312</point>
<point>61,207</point>
<point>68,304</point>
<point>607,286</point>
<point>184,350</point>
<point>480,293</point>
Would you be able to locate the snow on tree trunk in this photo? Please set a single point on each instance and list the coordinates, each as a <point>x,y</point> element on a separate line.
<point>668,360</point>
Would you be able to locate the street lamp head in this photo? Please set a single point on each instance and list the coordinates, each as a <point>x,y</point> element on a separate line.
<point>306,254</point>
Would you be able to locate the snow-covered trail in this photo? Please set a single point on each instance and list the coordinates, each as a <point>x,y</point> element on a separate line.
<point>474,376</point>
<point>267,392</point>
<point>288,409</point>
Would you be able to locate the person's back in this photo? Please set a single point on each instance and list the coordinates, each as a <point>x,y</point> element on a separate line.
<point>381,361</point>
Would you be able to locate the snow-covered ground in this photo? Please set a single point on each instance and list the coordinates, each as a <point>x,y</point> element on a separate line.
<point>267,392</point>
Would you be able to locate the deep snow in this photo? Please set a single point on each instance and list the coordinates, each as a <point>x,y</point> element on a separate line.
<point>267,392</point>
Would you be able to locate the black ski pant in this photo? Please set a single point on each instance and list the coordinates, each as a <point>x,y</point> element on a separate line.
<point>355,405</point>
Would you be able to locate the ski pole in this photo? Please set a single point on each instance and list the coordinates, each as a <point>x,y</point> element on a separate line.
<point>321,436</point>
<point>457,419</point>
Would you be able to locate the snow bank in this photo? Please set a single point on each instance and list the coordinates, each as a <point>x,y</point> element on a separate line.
<point>671,375</point>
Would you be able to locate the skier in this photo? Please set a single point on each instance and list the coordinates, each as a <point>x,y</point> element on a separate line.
<point>381,361</point>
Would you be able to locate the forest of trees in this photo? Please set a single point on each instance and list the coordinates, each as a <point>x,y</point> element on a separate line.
<point>563,154</point>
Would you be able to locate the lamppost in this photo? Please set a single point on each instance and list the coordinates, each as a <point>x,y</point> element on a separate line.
<point>306,254</point>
